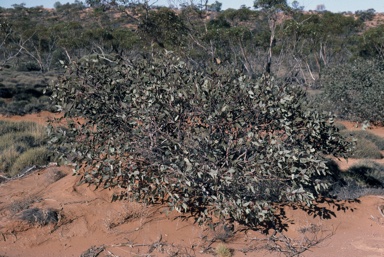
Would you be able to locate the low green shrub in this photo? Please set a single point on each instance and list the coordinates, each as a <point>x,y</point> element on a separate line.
<point>16,107</point>
<point>210,142</point>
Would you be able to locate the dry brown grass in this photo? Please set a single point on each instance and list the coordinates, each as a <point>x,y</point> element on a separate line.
<point>22,144</point>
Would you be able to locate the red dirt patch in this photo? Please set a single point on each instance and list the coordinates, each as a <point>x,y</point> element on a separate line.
<point>40,118</point>
<point>88,218</point>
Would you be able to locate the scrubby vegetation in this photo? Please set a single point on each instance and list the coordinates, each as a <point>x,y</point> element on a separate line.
<point>40,217</point>
<point>216,113</point>
<point>355,90</point>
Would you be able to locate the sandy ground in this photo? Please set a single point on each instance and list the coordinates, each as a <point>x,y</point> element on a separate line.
<point>88,218</point>
<point>89,224</point>
<point>40,118</point>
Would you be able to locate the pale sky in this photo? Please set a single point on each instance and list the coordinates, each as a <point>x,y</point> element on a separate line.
<point>330,5</point>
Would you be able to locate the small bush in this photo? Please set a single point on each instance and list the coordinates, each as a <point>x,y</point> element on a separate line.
<point>3,103</point>
<point>34,156</point>
<point>29,66</point>
<point>17,107</point>
<point>40,217</point>
<point>210,142</point>
<point>22,97</point>
<point>365,149</point>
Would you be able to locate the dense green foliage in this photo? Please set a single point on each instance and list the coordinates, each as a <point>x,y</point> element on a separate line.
<point>205,141</point>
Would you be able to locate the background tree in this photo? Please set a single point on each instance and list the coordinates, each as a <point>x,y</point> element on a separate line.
<point>164,27</point>
<point>367,15</point>
<point>216,6</point>
<point>371,44</point>
<point>271,8</point>
<point>296,6</point>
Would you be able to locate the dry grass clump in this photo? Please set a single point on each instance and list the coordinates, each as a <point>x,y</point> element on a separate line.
<point>127,212</point>
<point>22,145</point>
<point>223,251</point>
<point>368,145</point>
<point>34,156</point>
<point>7,157</point>
<point>364,134</point>
<point>366,149</point>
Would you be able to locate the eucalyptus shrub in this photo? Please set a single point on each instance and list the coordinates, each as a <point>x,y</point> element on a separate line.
<point>356,90</point>
<point>212,142</point>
